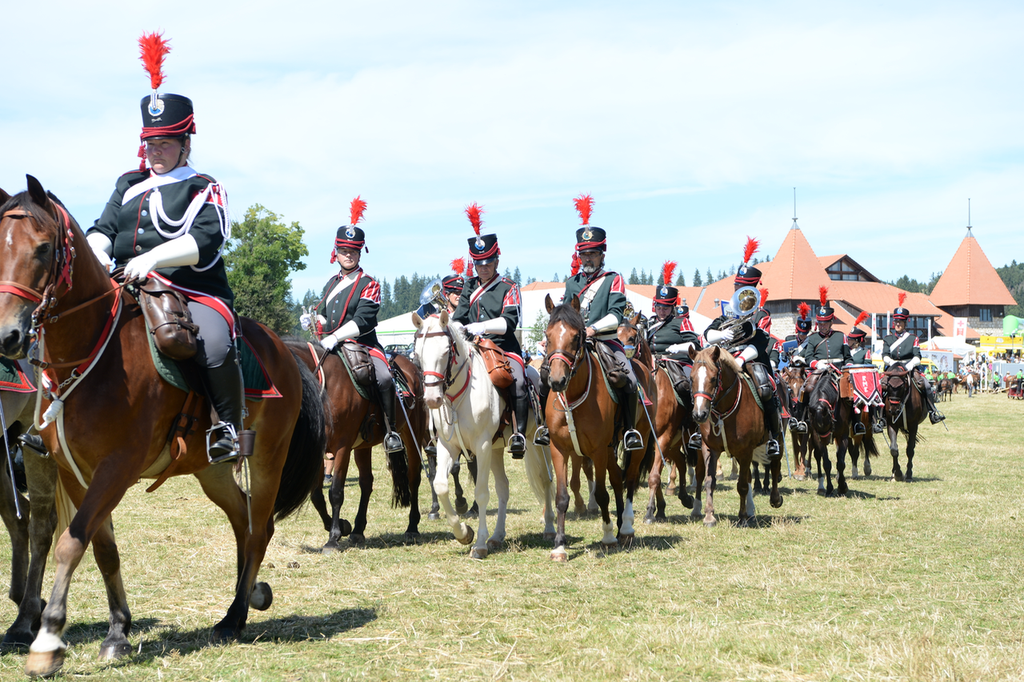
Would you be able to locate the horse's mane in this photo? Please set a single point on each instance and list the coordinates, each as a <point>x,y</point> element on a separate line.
<point>23,200</point>
<point>567,314</point>
<point>730,361</point>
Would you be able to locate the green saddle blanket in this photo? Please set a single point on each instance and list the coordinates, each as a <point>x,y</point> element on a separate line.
<point>257,383</point>
<point>13,379</point>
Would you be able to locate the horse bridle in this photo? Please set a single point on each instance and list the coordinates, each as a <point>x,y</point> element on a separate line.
<point>445,380</point>
<point>713,399</point>
<point>573,361</point>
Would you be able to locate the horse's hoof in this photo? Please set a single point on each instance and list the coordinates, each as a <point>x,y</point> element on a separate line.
<point>478,553</point>
<point>223,635</point>
<point>710,523</point>
<point>908,478</point>
<point>44,663</point>
<point>346,528</point>
<point>649,519</point>
<point>549,536</point>
<point>559,556</point>
<point>687,500</point>
<point>671,491</point>
<point>495,545</point>
<point>580,509</point>
<point>461,507</point>
<point>867,467</point>
<point>262,597</point>
<point>799,477</point>
<point>357,539</point>
<point>625,541</point>
<point>412,537</point>
<point>468,539</point>
<point>433,516</point>
<point>776,502</point>
<point>609,547</point>
<point>843,490</point>
<point>898,476</point>
<point>19,639</point>
<point>115,650</point>
<point>331,547</point>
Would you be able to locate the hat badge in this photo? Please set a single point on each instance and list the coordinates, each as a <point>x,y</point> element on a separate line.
<point>587,234</point>
<point>350,232</point>
<point>664,291</point>
<point>479,244</point>
<point>156,106</point>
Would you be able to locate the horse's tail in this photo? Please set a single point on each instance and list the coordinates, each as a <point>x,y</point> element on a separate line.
<point>304,466</point>
<point>401,495</point>
<point>868,441</point>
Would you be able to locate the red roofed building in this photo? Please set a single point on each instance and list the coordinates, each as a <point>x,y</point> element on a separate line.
<point>970,287</point>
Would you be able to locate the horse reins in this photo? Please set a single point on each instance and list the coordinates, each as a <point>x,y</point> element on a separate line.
<point>446,380</point>
<point>719,393</point>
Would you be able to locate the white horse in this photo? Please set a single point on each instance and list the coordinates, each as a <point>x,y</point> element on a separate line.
<point>465,409</point>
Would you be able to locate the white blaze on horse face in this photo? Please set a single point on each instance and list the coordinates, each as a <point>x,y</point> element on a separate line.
<point>562,339</point>
<point>702,377</point>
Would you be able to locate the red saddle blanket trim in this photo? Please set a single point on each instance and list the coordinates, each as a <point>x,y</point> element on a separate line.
<point>15,380</point>
<point>866,384</point>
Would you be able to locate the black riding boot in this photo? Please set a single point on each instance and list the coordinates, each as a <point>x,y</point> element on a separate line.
<point>695,441</point>
<point>934,416</point>
<point>858,426</point>
<point>392,441</point>
<point>796,422</point>
<point>517,443</point>
<point>631,439</point>
<point>774,423</point>
<point>877,421</point>
<point>541,436</point>
<point>224,387</point>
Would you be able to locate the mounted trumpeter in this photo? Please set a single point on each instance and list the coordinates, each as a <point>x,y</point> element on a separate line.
<point>741,332</point>
<point>902,347</point>
<point>444,293</point>
<point>490,306</point>
<point>346,319</point>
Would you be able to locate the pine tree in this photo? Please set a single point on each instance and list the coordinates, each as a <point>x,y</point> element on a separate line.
<point>680,280</point>
<point>711,280</point>
<point>697,281</point>
<point>633,279</point>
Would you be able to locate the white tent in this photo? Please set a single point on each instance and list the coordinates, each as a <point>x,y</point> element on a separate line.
<point>397,330</point>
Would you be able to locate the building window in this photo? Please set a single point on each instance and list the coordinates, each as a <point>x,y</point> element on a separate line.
<point>985,314</point>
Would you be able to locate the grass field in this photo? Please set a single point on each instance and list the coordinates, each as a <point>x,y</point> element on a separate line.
<point>918,581</point>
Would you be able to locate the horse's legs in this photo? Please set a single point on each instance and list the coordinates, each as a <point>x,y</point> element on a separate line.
<point>435,506</point>
<point>104,549</point>
<point>472,465</point>
<point>656,500</point>
<point>911,446</point>
<point>746,493</point>
<point>497,538</point>
<point>41,474</point>
<point>574,484</point>
<point>541,484</point>
<point>608,540</point>
<point>800,467</point>
<point>463,533</point>
<point>894,450</point>
<point>18,530</point>
<point>336,493</point>
<point>776,473</point>
<point>699,473</point>
<point>461,505</point>
<point>415,474</point>
<point>558,465</point>
<point>827,462</point>
<point>710,480</point>
<point>364,466</point>
<point>673,474</point>
<point>841,447</point>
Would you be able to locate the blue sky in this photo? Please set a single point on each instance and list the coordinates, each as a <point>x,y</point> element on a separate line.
<point>689,122</point>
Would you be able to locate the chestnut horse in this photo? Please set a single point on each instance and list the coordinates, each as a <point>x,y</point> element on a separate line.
<point>794,378</point>
<point>356,424</point>
<point>30,521</point>
<point>904,411</point>
<point>673,421</point>
<point>580,414</point>
<point>730,421</point>
<point>108,415</point>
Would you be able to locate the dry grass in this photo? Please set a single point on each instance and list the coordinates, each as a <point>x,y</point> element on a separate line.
<point>899,581</point>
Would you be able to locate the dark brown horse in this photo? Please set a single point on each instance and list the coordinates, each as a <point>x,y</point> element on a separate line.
<point>30,521</point>
<point>112,415</point>
<point>794,378</point>
<point>581,417</point>
<point>673,421</point>
<point>354,425</point>
<point>904,411</point>
<point>829,418</point>
<point>730,422</point>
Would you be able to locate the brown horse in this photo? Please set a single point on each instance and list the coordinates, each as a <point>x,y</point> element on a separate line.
<point>673,421</point>
<point>829,417</point>
<point>794,378</point>
<point>113,417</point>
<point>30,521</point>
<point>904,411</point>
<point>730,422</point>
<point>581,417</point>
<point>354,425</point>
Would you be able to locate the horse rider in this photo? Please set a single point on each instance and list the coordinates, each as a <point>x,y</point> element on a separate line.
<point>347,311</point>
<point>169,222</point>
<point>671,334</point>
<point>860,354</point>
<point>490,306</point>
<point>451,289</point>
<point>753,351</point>
<point>826,346</point>
<point>902,347</point>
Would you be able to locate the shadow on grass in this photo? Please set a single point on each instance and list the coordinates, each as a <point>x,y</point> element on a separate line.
<point>158,642</point>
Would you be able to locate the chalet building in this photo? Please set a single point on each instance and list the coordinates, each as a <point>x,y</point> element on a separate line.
<point>970,287</point>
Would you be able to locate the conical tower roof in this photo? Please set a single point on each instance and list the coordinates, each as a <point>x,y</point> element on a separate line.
<point>795,272</point>
<point>970,279</point>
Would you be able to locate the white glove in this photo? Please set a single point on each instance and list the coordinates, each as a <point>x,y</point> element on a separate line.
<point>181,251</point>
<point>913,362</point>
<point>746,355</point>
<point>475,328</point>
<point>329,342</point>
<point>718,336</point>
<point>305,320</point>
<point>102,247</point>
<point>679,347</point>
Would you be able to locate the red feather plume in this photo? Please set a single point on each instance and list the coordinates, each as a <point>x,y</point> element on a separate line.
<point>668,270</point>
<point>474,211</point>
<point>153,49</point>
<point>860,318</point>
<point>804,310</point>
<point>576,263</point>
<point>823,295</point>
<point>584,206</point>
<point>750,249</point>
<point>764,296</point>
<point>469,271</point>
<point>356,210</point>
<point>902,297</point>
<point>458,266</point>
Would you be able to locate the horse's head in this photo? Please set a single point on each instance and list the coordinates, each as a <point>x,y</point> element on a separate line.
<point>565,339</point>
<point>438,352</point>
<point>35,256</point>
<point>895,384</point>
<point>706,378</point>
<point>822,402</point>
<point>793,378</point>
<point>632,334</point>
